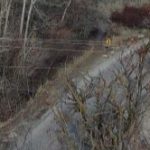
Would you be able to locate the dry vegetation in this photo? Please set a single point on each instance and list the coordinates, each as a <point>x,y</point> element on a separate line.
<point>39,37</point>
<point>49,34</point>
<point>107,113</point>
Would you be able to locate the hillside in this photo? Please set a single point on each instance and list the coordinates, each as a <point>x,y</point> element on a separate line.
<point>48,49</point>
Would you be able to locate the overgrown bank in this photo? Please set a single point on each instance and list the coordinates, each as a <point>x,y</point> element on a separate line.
<point>37,38</point>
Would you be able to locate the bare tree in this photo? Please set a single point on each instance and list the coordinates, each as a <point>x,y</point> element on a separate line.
<point>7,16</point>
<point>5,6</point>
<point>65,11</point>
<point>32,3</point>
<point>22,16</point>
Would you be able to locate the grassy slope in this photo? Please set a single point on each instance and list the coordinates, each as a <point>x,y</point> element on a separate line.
<point>48,91</point>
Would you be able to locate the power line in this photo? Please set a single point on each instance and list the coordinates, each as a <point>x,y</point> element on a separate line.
<point>51,49</point>
<point>50,40</point>
<point>34,67</point>
<point>30,45</point>
<point>29,67</point>
<point>81,43</point>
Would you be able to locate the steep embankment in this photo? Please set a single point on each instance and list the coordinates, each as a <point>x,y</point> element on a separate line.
<point>52,34</point>
<point>41,134</point>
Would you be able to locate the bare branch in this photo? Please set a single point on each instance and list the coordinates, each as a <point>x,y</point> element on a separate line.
<point>65,11</point>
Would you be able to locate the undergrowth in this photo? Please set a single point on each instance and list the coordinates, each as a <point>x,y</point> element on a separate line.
<point>105,113</point>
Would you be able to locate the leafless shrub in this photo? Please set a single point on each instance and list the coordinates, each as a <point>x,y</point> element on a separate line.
<point>106,114</point>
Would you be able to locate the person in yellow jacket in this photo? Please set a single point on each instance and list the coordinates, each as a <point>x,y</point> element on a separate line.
<point>108,42</point>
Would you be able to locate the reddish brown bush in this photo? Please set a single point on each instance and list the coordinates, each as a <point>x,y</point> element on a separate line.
<point>132,16</point>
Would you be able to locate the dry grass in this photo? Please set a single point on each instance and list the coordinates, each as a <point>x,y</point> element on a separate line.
<point>105,115</point>
<point>48,91</point>
<point>46,95</point>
